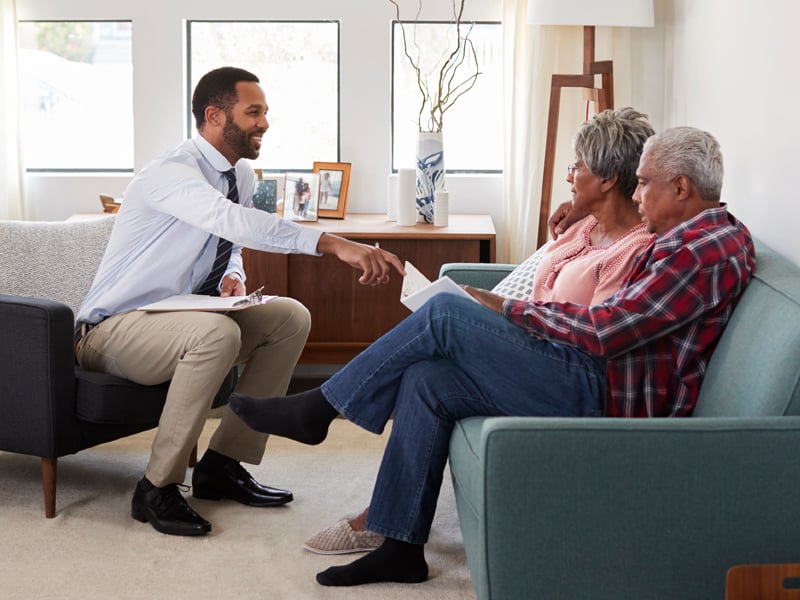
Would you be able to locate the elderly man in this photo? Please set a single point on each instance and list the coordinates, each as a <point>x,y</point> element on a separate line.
<point>641,353</point>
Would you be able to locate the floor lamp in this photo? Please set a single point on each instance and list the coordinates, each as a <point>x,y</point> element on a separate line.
<point>587,13</point>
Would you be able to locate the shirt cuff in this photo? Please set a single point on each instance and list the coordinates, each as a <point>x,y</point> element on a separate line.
<point>507,304</point>
<point>308,240</point>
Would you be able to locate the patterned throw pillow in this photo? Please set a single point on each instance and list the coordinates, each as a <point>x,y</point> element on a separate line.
<point>519,283</point>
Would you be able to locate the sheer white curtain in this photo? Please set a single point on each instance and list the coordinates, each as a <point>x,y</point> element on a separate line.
<point>531,55</point>
<point>11,172</point>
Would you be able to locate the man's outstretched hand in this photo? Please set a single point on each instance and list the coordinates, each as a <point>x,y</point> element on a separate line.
<point>374,263</point>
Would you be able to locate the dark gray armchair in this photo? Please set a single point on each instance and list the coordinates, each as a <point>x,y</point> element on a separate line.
<point>49,407</point>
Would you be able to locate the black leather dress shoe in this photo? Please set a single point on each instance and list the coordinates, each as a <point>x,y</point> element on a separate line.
<point>166,510</point>
<point>216,477</point>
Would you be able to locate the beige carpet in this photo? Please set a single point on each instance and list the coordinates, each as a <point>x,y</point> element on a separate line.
<point>92,549</point>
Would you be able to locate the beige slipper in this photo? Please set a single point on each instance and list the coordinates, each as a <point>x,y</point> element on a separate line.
<point>342,539</point>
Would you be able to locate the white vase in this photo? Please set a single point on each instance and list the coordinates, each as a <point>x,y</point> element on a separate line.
<point>406,197</point>
<point>430,172</point>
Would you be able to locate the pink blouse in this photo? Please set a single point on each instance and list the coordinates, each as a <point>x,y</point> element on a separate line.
<point>573,270</point>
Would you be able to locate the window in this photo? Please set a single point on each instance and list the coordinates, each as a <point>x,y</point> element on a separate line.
<point>473,127</point>
<point>298,65</point>
<point>77,95</point>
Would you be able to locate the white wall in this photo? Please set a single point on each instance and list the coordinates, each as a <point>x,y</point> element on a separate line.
<point>160,106</point>
<point>730,67</point>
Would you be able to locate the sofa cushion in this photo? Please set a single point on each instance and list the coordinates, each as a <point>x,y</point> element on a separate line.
<point>107,399</point>
<point>55,260</point>
<point>519,283</point>
<point>755,369</point>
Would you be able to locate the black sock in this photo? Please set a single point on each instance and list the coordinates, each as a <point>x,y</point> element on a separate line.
<point>302,417</point>
<point>393,561</point>
<point>215,460</point>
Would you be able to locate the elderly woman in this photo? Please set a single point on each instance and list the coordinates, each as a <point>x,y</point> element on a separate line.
<point>585,265</point>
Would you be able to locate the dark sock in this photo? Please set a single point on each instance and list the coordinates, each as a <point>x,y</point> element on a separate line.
<point>392,561</point>
<point>215,460</point>
<point>302,417</point>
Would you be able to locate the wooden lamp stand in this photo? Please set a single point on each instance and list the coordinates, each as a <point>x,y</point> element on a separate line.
<point>603,97</point>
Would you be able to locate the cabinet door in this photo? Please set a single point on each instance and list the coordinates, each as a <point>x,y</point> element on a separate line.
<point>345,315</point>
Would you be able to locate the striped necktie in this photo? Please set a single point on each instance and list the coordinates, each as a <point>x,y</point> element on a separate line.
<point>210,285</point>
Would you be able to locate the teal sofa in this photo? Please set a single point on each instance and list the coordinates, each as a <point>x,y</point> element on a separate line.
<point>644,508</point>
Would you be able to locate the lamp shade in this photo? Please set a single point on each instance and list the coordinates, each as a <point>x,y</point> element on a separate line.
<point>621,13</point>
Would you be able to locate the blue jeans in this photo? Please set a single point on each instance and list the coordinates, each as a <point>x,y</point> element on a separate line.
<point>452,359</point>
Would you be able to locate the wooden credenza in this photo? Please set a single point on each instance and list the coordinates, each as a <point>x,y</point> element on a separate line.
<point>347,316</point>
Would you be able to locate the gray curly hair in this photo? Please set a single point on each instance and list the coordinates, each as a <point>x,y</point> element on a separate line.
<point>611,144</point>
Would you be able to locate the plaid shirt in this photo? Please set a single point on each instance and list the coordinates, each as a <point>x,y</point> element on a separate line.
<point>658,332</point>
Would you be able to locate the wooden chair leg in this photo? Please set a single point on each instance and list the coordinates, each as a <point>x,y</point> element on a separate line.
<point>193,456</point>
<point>49,474</point>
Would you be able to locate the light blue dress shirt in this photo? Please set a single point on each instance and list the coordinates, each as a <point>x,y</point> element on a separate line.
<point>165,235</point>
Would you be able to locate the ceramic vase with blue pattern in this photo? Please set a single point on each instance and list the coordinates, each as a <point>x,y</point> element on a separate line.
<point>430,172</point>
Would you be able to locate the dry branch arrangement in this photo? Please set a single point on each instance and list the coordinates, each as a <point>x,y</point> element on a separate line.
<point>453,75</point>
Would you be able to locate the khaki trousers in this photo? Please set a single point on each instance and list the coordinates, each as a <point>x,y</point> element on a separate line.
<point>195,350</point>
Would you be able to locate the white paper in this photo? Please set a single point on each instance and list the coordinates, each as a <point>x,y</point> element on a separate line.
<point>418,289</point>
<point>413,282</point>
<point>201,302</point>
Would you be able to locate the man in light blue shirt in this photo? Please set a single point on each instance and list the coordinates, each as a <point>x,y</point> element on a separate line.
<point>184,220</point>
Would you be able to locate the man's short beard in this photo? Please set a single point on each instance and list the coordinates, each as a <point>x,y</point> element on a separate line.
<point>238,139</point>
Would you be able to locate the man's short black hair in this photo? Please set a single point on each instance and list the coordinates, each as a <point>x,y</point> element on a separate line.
<point>217,88</point>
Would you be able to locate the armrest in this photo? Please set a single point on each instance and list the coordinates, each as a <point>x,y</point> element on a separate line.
<point>37,373</point>
<point>617,508</point>
<point>480,275</point>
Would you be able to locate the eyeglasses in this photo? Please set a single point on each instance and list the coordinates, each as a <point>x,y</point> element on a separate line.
<point>572,168</point>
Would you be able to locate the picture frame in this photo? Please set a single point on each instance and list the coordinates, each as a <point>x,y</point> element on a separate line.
<point>269,192</point>
<point>109,203</point>
<point>334,182</point>
<point>301,196</point>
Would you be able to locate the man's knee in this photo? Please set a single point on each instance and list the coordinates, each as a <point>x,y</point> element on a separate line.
<point>289,315</point>
<point>298,315</point>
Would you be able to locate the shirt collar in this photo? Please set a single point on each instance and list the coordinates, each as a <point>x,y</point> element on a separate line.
<point>710,217</point>
<point>716,215</point>
<point>212,155</point>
